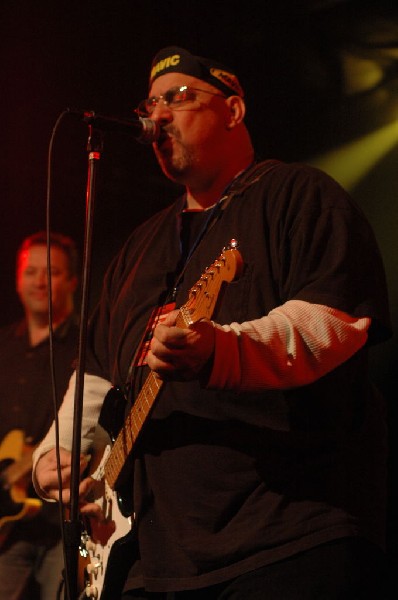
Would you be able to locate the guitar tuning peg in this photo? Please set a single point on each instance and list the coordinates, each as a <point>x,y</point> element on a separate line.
<point>233,244</point>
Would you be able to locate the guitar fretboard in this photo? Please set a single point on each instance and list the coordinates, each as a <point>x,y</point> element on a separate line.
<point>134,422</point>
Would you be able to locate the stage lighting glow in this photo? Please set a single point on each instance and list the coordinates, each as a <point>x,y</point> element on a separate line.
<point>350,163</point>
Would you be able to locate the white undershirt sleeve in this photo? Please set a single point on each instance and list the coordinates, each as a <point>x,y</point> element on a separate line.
<point>95,390</point>
<point>294,345</point>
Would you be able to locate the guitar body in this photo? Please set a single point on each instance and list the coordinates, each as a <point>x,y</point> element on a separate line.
<point>104,542</point>
<point>107,557</point>
<point>15,477</point>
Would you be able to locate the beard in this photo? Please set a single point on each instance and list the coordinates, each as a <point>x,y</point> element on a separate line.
<point>175,158</point>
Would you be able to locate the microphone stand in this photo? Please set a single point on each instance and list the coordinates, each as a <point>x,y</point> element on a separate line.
<point>72,526</point>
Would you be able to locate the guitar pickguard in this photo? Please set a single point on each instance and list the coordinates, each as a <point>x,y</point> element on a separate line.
<point>100,539</point>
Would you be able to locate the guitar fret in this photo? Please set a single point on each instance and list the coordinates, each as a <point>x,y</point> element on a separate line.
<point>129,432</point>
<point>135,427</point>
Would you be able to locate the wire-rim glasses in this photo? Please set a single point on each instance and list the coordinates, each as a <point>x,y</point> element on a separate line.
<point>176,97</point>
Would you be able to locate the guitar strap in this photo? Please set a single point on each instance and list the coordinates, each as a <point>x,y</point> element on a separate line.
<point>248,178</point>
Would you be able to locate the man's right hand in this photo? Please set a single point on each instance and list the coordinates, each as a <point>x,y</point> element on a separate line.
<point>46,475</point>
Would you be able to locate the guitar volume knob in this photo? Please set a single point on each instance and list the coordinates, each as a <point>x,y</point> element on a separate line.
<point>91,591</point>
<point>93,569</point>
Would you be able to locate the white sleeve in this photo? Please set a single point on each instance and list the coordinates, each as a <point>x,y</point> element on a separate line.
<point>95,390</point>
<point>294,345</point>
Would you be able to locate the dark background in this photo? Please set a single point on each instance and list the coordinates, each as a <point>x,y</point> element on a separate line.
<point>321,81</point>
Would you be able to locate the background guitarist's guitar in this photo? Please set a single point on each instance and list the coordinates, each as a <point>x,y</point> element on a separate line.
<point>15,476</point>
<point>104,543</point>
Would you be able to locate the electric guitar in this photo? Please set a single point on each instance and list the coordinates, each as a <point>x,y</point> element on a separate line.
<point>15,469</point>
<point>104,543</point>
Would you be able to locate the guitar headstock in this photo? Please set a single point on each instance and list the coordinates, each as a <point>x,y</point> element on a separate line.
<point>204,294</point>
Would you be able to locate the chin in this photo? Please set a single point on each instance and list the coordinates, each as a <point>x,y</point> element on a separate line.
<point>174,164</point>
<point>173,171</point>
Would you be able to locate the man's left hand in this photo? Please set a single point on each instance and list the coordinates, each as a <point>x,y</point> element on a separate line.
<point>181,353</point>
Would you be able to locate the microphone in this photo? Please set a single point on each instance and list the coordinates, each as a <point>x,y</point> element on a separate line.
<point>144,130</point>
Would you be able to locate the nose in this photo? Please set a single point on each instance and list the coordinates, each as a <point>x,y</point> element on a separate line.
<point>162,113</point>
<point>41,278</point>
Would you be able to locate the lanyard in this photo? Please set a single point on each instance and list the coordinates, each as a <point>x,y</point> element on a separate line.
<point>211,219</point>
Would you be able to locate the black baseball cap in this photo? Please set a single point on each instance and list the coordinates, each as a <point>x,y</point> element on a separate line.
<point>178,60</point>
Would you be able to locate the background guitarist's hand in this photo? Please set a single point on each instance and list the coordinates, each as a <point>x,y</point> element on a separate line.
<point>181,353</point>
<point>47,478</point>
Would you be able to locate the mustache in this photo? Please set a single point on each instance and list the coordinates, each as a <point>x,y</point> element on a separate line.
<point>170,130</point>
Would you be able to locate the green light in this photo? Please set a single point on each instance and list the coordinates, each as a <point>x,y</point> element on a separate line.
<point>349,163</point>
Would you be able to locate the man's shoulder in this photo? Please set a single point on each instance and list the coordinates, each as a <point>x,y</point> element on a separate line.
<point>298,186</point>
<point>289,170</point>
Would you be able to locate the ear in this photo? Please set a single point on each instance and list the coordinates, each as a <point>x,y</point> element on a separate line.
<point>237,111</point>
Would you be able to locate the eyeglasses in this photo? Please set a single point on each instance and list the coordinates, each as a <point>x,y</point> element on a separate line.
<point>175,98</point>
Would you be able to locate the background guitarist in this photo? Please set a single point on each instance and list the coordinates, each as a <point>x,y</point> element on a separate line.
<point>260,472</point>
<point>31,554</point>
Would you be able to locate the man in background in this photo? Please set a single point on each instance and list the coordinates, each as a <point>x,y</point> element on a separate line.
<point>30,545</point>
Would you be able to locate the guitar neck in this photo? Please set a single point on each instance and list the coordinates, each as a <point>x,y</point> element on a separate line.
<point>136,418</point>
<point>131,429</point>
